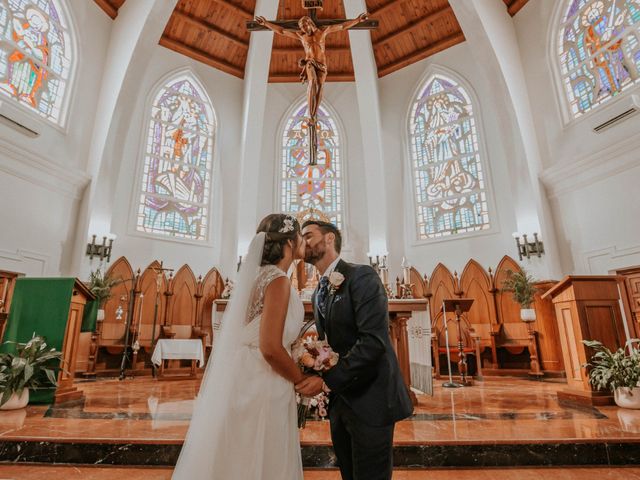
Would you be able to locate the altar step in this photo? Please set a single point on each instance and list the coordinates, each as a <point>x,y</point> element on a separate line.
<point>459,455</point>
<point>37,472</point>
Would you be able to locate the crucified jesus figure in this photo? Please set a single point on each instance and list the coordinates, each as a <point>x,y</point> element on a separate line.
<point>314,64</point>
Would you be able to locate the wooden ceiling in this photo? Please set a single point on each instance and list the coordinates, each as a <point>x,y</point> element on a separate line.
<point>214,32</point>
<point>110,6</point>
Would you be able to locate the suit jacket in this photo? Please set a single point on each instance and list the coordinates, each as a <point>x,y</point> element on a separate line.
<point>367,376</point>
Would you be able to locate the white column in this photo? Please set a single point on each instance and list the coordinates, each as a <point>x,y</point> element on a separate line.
<point>255,97</point>
<point>491,34</point>
<point>366,76</point>
<point>135,32</point>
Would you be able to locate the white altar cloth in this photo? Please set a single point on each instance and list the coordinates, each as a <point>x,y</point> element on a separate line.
<point>178,349</point>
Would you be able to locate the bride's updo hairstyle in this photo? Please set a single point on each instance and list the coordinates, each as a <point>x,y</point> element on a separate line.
<point>279,229</point>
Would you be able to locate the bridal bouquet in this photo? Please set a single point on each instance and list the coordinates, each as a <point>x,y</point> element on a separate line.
<point>312,355</point>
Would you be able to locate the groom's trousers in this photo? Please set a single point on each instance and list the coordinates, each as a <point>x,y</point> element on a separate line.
<point>364,452</point>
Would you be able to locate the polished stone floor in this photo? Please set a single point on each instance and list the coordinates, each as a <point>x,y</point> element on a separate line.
<point>31,472</point>
<point>497,411</point>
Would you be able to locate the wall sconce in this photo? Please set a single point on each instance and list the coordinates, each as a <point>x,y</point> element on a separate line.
<point>527,248</point>
<point>239,264</point>
<point>103,251</point>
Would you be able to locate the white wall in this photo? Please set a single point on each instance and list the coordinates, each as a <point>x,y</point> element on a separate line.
<point>591,177</point>
<point>225,92</point>
<point>41,178</point>
<point>397,91</point>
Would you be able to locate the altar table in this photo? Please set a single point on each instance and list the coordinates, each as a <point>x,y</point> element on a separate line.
<point>178,349</point>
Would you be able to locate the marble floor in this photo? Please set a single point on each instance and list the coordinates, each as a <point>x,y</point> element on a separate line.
<point>496,411</point>
<point>31,472</point>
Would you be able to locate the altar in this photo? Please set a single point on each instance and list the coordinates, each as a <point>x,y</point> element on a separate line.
<point>400,312</point>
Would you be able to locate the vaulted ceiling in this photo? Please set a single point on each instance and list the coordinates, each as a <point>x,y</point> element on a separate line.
<point>214,32</point>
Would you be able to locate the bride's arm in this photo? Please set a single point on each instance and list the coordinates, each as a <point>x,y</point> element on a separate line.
<point>274,313</point>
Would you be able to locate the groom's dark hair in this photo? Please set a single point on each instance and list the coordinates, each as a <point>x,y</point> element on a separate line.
<point>327,227</point>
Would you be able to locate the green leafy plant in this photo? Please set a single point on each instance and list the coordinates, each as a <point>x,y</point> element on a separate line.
<point>100,285</point>
<point>521,285</point>
<point>32,366</point>
<point>613,370</point>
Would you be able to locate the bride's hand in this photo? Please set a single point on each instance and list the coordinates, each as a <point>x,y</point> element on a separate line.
<point>310,386</point>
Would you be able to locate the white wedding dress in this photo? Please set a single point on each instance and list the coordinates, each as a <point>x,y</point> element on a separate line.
<point>248,431</point>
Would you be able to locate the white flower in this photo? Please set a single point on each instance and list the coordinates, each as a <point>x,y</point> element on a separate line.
<point>287,225</point>
<point>335,280</point>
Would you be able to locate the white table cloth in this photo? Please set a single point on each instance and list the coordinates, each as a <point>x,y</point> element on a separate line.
<point>178,349</point>
<point>419,329</point>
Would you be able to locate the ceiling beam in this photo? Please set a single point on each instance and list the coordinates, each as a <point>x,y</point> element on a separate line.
<point>198,22</point>
<point>383,9</point>
<point>418,55</point>
<point>239,10</point>
<point>201,56</point>
<point>431,17</point>
<point>516,6</point>
<point>108,8</point>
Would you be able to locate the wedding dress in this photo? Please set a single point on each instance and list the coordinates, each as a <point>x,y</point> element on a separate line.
<point>244,425</point>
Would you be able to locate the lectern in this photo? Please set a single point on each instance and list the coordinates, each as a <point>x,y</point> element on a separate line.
<point>457,306</point>
<point>587,308</point>
<point>53,308</point>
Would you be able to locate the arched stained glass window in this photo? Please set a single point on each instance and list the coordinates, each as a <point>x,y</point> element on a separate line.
<point>35,55</point>
<point>176,180</point>
<point>449,184</point>
<point>599,49</point>
<point>312,190</point>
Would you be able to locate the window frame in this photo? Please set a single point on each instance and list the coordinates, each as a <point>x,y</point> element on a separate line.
<point>136,189</point>
<point>557,79</point>
<point>411,223</point>
<point>278,207</point>
<point>10,103</point>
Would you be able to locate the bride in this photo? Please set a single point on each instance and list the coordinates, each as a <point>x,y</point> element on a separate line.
<point>244,424</point>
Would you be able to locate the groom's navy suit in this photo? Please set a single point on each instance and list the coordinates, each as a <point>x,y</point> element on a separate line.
<point>368,394</point>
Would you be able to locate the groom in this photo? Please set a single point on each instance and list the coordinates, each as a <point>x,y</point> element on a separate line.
<point>367,393</point>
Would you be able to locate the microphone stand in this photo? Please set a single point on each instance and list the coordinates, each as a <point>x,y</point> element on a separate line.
<point>125,351</point>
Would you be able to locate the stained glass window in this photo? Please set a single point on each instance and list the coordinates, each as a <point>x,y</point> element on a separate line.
<point>176,180</point>
<point>305,188</point>
<point>448,180</point>
<point>599,49</point>
<point>35,55</point>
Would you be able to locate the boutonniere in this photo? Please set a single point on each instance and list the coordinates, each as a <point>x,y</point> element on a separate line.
<point>335,280</point>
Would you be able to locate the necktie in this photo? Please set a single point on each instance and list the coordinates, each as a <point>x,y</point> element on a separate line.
<point>323,292</point>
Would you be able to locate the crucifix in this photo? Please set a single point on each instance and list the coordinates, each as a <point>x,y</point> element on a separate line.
<point>311,32</point>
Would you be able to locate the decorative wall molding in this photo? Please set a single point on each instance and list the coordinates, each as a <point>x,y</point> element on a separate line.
<point>603,260</point>
<point>42,171</point>
<point>586,170</point>
<point>36,262</point>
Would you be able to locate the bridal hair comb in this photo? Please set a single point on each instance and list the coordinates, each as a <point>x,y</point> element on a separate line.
<point>288,224</point>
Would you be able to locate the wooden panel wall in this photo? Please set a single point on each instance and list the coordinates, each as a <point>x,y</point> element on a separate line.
<point>494,318</point>
<point>181,306</point>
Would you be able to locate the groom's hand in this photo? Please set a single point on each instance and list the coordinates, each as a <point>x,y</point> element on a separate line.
<point>310,386</point>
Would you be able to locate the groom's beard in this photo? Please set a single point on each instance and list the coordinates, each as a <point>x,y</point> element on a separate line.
<point>313,255</point>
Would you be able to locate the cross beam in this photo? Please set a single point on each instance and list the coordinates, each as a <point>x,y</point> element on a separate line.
<point>370,24</point>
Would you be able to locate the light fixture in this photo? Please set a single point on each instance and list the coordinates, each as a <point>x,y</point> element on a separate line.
<point>103,251</point>
<point>527,248</point>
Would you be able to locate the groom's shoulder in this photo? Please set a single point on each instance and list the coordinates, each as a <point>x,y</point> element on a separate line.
<point>359,270</point>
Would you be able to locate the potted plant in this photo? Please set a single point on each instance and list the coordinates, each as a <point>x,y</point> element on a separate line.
<point>617,371</point>
<point>522,287</point>
<point>100,285</point>
<point>32,366</point>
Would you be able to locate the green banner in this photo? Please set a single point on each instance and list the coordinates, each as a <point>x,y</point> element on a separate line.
<point>40,306</point>
<point>90,316</point>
